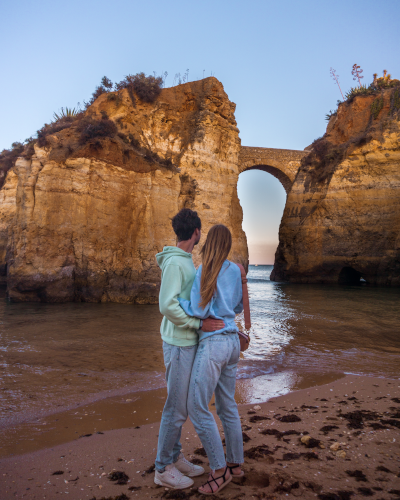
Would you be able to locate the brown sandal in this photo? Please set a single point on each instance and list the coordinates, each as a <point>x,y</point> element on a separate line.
<point>219,486</point>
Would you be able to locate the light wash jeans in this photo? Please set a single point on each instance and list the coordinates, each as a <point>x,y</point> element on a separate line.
<point>178,363</point>
<point>214,370</point>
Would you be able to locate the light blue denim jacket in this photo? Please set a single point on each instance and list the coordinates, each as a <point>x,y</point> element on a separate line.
<point>226,302</point>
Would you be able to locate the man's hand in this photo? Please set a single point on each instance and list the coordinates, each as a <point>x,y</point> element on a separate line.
<point>211,325</point>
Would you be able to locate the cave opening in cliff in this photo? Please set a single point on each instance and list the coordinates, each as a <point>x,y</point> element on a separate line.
<point>262,198</point>
<point>349,276</point>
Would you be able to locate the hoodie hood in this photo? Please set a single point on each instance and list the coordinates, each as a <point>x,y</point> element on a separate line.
<point>168,253</point>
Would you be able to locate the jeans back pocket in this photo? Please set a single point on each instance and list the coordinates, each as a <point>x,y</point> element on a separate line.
<point>219,349</point>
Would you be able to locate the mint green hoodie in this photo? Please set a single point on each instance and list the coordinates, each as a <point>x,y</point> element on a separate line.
<point>177,276</point>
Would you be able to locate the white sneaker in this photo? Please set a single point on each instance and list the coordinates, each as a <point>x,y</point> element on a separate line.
<point>187,467</point>
<point>172,478</point>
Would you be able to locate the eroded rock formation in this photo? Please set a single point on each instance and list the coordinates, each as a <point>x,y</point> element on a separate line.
<point>84,217</point>
<point>83,220</point>
<point>342,217</point>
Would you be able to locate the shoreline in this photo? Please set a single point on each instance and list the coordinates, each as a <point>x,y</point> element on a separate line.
<point>126,408</point>
<point>276,462</point>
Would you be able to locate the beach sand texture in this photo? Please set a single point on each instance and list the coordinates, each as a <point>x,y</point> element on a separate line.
<point>337,441</point>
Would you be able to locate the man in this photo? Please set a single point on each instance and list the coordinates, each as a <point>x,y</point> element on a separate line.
<point>180,339</point>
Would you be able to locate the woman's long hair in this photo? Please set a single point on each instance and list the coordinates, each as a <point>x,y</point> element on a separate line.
<point>214,253</point>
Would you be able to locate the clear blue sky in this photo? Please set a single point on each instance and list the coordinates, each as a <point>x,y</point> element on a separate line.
<point>272,57</point>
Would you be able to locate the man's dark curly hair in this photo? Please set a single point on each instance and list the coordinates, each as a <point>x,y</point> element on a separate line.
<point>184,223</point>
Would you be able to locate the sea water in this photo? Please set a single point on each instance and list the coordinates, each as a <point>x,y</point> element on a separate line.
<point>56,356</point>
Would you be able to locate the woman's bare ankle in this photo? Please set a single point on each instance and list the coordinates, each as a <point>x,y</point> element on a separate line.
<point>219,472</point>
<point>235,469</point>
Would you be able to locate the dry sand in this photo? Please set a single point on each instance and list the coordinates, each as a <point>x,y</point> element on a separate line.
<point>359,417</point>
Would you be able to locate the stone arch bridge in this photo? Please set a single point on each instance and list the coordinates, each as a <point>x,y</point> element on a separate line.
<point>281,163</point>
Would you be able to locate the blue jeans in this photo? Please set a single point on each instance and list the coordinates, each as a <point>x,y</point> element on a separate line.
<point>214,370</point>
<point>178,363</point>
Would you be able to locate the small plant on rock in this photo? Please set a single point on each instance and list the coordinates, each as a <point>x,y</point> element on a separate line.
<point>376,107</point>
<point>384,82</point>
<point>356,72</point>
<point>395,101</point>
<point>104,87</point>
<point>354,91</point>
<point>329,115</point>
<point>66,113</point>
<point>336,78</point>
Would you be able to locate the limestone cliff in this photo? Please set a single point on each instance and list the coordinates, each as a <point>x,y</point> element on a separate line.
<point>342,217</point>
<point>83,219</point>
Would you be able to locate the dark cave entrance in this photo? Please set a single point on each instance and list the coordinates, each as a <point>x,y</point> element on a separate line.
<point>349,276</point>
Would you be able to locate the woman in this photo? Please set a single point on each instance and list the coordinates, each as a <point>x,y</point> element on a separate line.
<point>216,292</point>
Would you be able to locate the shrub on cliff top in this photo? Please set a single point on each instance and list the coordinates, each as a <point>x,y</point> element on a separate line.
<point>104,87</point>
<point>147,88</point>
<point>361,90</point>
<point>91,129</point>
<point>8,158</point>
<point>53,128</point>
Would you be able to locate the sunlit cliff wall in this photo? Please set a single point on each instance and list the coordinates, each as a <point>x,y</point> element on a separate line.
<point>84,221</point>
<point>342,217</point>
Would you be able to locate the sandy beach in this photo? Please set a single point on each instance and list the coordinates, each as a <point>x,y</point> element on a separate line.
<point>336,441</point>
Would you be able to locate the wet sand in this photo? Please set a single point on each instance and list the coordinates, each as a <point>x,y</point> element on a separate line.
<point>336,441</point>
<point>131,410</point>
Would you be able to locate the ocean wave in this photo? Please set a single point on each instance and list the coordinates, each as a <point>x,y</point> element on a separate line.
<point>252,370</point>
<point>258,280</point>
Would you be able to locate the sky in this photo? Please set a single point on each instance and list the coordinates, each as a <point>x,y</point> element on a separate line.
<point>273,59</point>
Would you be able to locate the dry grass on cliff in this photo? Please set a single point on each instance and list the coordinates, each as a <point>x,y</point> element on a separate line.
<point>149,155</point>
<point>323,159</point>
<point>87,135</point>
<point>8,157</point>
<point>54,127</point>
<point>373,89</point>
<point>105,140</point>
<point>91,130</point>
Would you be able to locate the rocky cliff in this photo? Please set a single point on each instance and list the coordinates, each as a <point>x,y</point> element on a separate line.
<point>83,218</point>
<point>341,221</point>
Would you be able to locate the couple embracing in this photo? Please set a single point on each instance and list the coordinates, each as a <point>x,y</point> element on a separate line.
<point>201,352</point>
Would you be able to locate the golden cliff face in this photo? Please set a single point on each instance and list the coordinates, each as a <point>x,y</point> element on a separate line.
<point>84,222</point>
<point>342,217</point>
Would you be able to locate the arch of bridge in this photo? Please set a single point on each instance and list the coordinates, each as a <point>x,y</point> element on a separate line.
<point>281,163</point>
